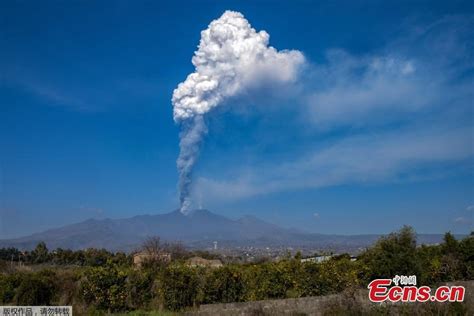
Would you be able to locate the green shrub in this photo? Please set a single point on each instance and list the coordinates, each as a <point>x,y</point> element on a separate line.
<point>224,285</point>
<point>329,277</point>
<point>104,287</point>
<point>265,281</point>
<point>139,288</point>
<point>36,289</point>
<point>8,285</point>
<point>179,287</point>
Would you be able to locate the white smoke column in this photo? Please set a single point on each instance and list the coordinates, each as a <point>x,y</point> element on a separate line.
<point>232,57</point>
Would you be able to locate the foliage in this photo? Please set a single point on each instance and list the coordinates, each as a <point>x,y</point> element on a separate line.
<point>139,288</point>
<point>267,280</point>
<point>398,254</point>
<point>106,282</point>
<point>393,255</point>
<point>9,254</point>
<point>8,285</point>
<point>40,254</point>
<point>224,285</point>
<point>30,288</point>
<point>179,287</point>
<point>329,277</point>
<point>105,288</point>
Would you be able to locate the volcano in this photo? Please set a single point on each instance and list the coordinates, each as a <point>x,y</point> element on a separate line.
<point>200,228</point>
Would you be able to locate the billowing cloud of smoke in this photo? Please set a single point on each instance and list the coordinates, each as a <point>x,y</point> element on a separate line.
<point>232,57</point>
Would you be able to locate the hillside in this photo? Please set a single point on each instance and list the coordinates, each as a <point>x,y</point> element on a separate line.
<point>198,229</point>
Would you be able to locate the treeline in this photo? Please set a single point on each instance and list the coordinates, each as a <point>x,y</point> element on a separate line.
<point>398,254</point>
<point>41,255</point>
<point>117,286</point>
<point>92,257</point>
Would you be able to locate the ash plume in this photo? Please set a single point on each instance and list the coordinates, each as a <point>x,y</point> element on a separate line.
<point>190,140</point>
<point>232,57</point>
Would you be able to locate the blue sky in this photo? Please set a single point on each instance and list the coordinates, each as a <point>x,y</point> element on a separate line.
<point>376,132</point>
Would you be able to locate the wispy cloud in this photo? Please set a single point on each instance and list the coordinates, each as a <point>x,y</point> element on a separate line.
<point>78,94</point>
<point>49,93</point>
<point>373,158</point>
<point>462,220</point>
<point>422,71</point>
<point>466,217</point>
<point>357,91</point>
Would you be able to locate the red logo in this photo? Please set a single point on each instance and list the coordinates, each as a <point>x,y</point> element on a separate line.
<point>404,289</point>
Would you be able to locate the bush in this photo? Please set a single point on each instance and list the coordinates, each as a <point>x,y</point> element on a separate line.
<point>68,286</point>
<point>329,277</point>
<point>265,281</point>
<point>105,288</point>
<point>36,289</point>
<point>139,288</point>
<point>8,286</point>
<point>179,287</point>
<point>224,285</point>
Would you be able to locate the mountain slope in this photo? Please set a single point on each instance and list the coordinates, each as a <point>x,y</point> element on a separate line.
<point>126,233</point>
<point>198,228</point>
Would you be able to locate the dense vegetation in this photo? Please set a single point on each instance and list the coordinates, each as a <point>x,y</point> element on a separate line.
<point>97,280</point>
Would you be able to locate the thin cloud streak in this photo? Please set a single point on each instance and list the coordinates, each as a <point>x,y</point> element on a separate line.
<point>98,96</point>
<point>359,159</point>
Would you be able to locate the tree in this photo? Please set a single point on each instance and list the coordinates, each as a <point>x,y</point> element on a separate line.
<point>96,257</point>
<point>9,254</point>
<point>392,255</point>
<point>466,250</point>
<point>40,254</point>
<point>176,250</point>
<point>155,253</point>
<point>152,246</point>
<point>451,265</point>
<point>450,245</point>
